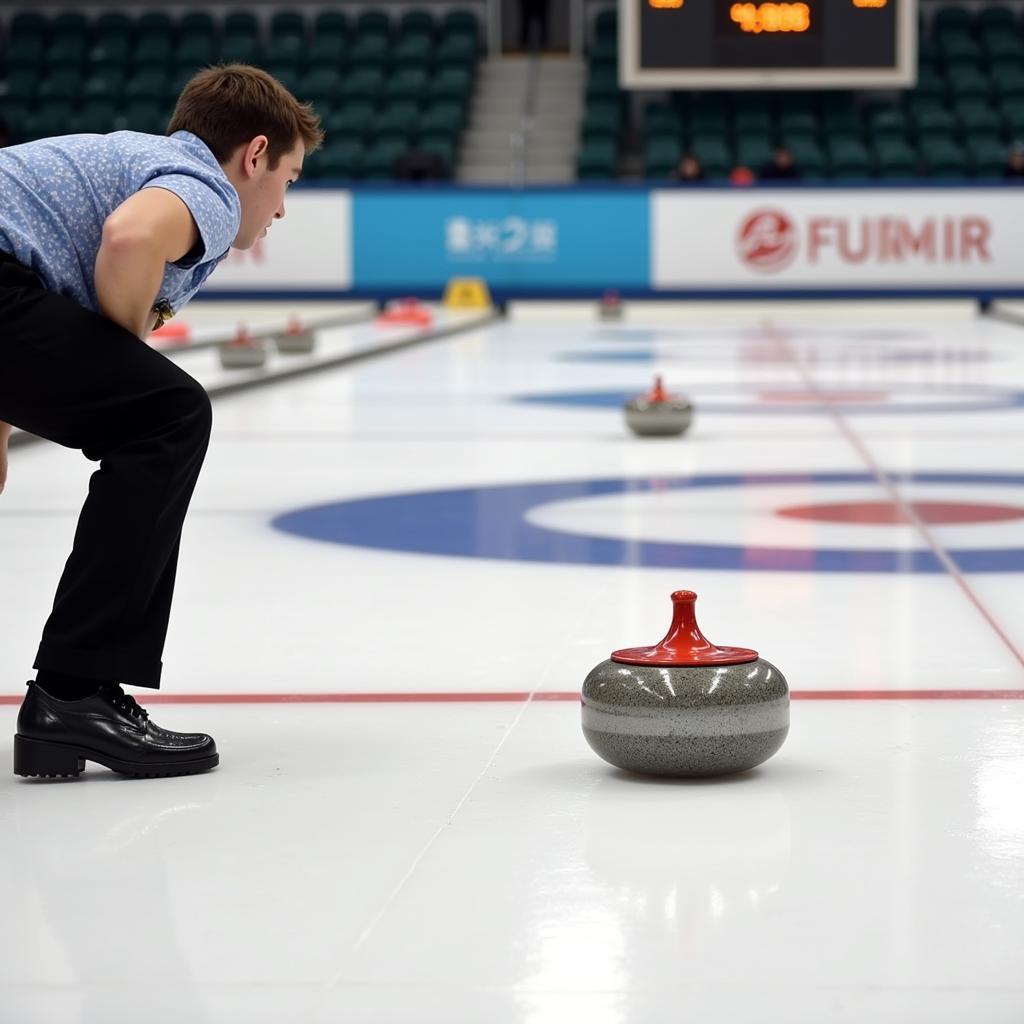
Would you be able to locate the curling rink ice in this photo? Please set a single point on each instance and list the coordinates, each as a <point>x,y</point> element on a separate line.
<point>394,578</point>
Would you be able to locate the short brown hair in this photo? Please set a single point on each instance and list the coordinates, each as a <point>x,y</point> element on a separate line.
<point>230,104</point>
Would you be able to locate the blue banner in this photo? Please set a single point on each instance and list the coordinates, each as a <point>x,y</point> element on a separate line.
<point>531,240</point>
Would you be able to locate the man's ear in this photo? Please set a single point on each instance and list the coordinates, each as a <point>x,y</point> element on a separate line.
<point>256,148</point>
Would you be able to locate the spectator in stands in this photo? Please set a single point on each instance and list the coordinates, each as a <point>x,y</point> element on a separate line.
<point>688,169</point>
<point>782,167</point>
<point>534,17</point>
<point>1015,162</point>
<point>101,238</point>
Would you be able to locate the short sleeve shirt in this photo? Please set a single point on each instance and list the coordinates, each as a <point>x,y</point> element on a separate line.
<point>56,194</point>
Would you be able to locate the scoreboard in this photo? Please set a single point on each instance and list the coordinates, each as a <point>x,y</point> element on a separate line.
<point>721,44</point>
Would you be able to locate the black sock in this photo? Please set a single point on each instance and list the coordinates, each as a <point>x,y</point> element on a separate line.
<point>65,687</point>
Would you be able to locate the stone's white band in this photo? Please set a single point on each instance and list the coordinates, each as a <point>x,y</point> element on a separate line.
<point>740,720</point>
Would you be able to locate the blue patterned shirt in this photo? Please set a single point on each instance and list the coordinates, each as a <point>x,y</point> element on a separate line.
<point>55,195</point>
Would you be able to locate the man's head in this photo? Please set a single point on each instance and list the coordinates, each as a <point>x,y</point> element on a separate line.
<point>259,133</point>
<point>783,156</point>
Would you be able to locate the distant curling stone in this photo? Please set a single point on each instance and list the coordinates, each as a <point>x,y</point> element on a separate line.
<point>611,306</point>
<point>243,351</point>
<point>295,339</point>
<point>658,414</point>
<point>685,707</point>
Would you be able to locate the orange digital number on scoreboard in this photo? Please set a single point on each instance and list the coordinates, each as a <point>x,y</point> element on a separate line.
<point>771,17</point>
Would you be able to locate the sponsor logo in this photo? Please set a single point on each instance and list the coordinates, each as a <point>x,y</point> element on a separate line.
<point>767,241</point>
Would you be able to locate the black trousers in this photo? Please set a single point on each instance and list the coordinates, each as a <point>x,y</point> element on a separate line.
<point>79,379</point>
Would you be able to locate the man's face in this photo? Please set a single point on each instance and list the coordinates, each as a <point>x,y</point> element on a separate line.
<point>262,190</point>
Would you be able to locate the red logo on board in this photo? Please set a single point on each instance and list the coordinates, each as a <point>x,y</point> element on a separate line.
<point>767,241</point>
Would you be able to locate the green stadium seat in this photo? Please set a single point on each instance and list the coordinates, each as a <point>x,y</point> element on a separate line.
<point>943,158</point>
<point>888,123</point>
<point>936,121</point>
<point>398,119</point>
<point>441,119</point>
<point>104,84</point>
<point>457,51</point>
<point>320,86</point>
<point>849,160</point>
<point>406,84</point>
<point>68,51</point>
<point>241,49</point>
<point>1013,118</point>
<point>49,120</point>
<point>960,48</point>
<point>661,156</point>
<point>21,85</point>
<point>351,121</point>
<point>977,119</point>
<point>929,83</point>
<point>604,50</point>
<point>968,81</point>
<point>26,23</point>
<point>194,51</point>
<point>461,22</point>
<point>754,151</point>
<point>808,156</point>
<point>287,50</point>
<point>914,104</point>
<point>450,84</point>
<point>714,154</point>
<point>287,23</point>
<point>417,22</point>
<point>369,51</point>
<point>952,18</point>
<point>156,23</point>
<point>177,82</point>
<point>753,122</point>
<point>986,157</point>
<point>331,22</point>
<point>413,51</point>
<point>114,23</point>
<point>197,23</point>
<point>152,51</point>
<point>26,52</point>
<point>796,124</point>
<point>363,84</point>
<point>707,122</point>
<point>61,84</point>
<point>659,118</point>
<point>241,23</point>
<point>95,117</point>
<point>328,50</point>
<point>112,51</point>
<point>995,17</point>
<point>341,160</point>
<point>895,158</point>
<point>146,85</point>
<point>1003,45</point>
<point>443,147</point>
<point>380,157</point>
<point>597,160</point>
<point>1008,82</point>
<point>373,23</point>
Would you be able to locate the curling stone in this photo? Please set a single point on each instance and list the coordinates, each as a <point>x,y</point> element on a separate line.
<point>406,313</point>
<point>611,306</point>
<point>243,351</point>
<point>295,339</point>
<point>685,707</point>
<point>658,414</point>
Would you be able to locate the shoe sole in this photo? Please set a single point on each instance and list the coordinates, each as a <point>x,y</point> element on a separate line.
<point>44,759</point>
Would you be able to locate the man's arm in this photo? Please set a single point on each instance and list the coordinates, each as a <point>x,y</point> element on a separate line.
<point>146,232</point>
<point>5,433</point>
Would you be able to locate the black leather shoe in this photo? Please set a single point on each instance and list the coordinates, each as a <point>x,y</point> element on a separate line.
<point>56,737</point>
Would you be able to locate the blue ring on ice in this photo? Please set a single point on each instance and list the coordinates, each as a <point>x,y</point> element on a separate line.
<point>491,522</point>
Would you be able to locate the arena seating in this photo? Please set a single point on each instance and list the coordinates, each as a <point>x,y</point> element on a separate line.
<point>382,85</point>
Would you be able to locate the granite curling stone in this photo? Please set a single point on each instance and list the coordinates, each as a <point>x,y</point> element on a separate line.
<point>243,351</point>
<point>685,707</point>
<point>658,414</point>
<point>296,338</point>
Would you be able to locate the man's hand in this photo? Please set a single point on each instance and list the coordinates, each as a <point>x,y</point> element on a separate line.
<point>5,432</point>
